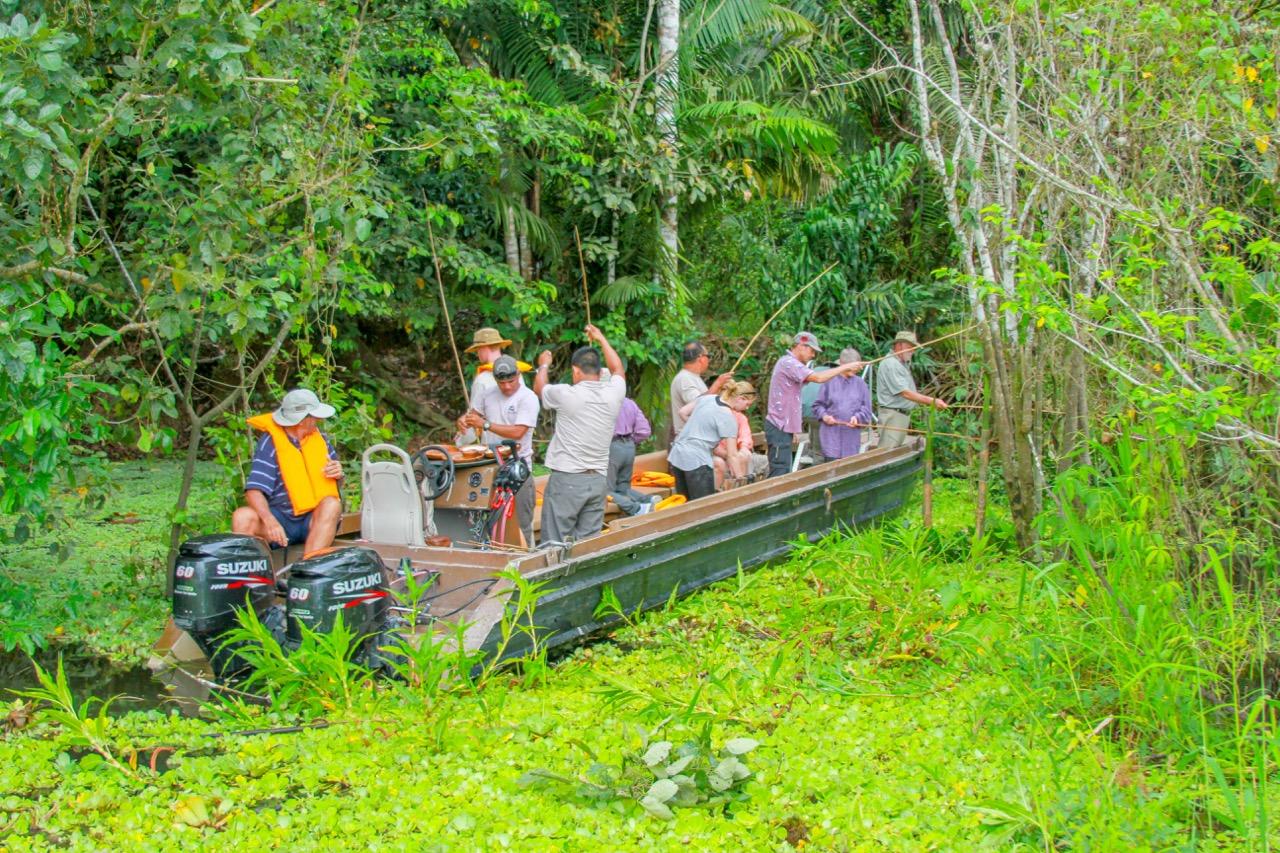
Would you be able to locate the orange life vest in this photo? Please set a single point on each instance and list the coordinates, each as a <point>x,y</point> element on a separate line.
<point>301,468</point>
<point>486,366</point>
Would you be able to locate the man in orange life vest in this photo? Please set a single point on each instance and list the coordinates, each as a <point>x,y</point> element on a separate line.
<point>292,490</point>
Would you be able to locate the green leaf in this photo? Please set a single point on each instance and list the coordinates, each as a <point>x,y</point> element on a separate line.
<point>657,753</point>
<point>678,765</point>
<point>33,166</point>
<point>662,790</point>
<point>192,811</point>
<point>740,746</point>
<point>363,228</point>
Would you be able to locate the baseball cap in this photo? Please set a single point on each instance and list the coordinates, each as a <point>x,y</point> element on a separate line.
<point>809,339</point>
<point>504,367</point>
<point>299,403</point>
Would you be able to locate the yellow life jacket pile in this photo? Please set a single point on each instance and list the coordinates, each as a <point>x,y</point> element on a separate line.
<point>655,479</point>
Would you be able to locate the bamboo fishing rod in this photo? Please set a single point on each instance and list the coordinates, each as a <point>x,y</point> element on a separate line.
<point>775,314</point>
<point>582,265</point>
<point>907,430</point>
<point>448,323</point>
<point>877,359</point>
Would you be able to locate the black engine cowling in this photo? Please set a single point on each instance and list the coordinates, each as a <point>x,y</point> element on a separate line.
<point>215,576</point>
<point>350,581</point>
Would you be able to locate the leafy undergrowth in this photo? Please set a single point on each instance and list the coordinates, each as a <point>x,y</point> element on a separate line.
<point>851,698</point>
<point>100,582</point>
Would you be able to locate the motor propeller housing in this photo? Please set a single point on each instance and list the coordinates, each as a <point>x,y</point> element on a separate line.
<point>214,577</point>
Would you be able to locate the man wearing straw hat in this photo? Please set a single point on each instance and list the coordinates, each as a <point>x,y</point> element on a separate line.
<point>487,344</point>
<point>896,393</point>
<point>784,419</point>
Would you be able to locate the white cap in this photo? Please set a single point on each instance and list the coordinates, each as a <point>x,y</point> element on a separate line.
<point>299,403</point>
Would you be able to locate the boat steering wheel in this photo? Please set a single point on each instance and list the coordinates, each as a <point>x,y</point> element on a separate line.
<point>434,476</point>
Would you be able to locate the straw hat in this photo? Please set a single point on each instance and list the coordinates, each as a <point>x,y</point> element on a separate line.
<point>909,337</point>
<point>487,337</point>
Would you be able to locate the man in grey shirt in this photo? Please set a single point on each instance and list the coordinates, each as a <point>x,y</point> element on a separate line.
<point>896,393</point>
<point>688,384</point>
<point>586,411</point>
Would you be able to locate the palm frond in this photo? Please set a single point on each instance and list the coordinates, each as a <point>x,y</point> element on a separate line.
<point>626,290</point>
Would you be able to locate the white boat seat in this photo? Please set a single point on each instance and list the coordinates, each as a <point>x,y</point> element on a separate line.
<point>801,455</point>
<point>392,510</point>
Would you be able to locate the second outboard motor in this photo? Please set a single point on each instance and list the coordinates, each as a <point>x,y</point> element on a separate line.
<point>350,581</point>
<point>214,577</point>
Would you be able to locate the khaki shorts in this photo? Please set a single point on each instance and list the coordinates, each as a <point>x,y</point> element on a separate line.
<point>897,423</point>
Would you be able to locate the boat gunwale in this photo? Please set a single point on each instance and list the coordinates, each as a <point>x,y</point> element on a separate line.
<point>722,503</point>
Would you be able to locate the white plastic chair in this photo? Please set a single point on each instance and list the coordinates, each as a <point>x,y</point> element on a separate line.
<point>392,509</point>
<point>801,456</point>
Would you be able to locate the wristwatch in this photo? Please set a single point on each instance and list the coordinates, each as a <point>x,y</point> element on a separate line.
<point>486,426</point>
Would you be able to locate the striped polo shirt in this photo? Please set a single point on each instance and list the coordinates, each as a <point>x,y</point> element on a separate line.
<point>264,474</point>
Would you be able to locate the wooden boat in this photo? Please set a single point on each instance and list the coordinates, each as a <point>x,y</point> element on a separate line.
<point>643,561</point>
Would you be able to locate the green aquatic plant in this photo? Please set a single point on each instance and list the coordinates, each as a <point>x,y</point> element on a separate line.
<point>323,674</point>
<point>661,776</point>
<point>83,727</point>
<point>517,628</point>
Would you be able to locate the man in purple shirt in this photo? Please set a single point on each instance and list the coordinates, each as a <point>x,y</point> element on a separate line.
<point>631,429</point>
<point>783,421</point>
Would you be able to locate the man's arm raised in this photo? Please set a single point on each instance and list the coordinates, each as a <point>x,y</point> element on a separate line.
<point>544,367</point>
<point>611,359</point>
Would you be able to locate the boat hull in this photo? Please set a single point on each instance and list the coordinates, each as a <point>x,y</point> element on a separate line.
<point>702,542</point>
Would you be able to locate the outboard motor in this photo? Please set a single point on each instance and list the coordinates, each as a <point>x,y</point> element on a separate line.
<point>214,577</point>
<point>350,581</point>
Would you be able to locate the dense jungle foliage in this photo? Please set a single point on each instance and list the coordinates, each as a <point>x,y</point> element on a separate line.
<point>206,203</point>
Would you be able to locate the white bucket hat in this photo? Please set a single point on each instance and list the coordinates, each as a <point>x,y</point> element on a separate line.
<point>299,403</point>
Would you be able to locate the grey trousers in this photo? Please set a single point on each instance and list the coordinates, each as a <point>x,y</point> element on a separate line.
<point>572,506</point>
<point>525,500</point>
<point>780,450</point>
<point>897,423</point>
<point>617,480</point>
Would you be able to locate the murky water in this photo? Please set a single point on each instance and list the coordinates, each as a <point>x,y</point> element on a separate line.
<point>90,674</point>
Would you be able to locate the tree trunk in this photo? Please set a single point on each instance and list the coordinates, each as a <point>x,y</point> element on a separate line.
<point>194,434</point>
<point>511,240</point>
<point>535,207</point>
<point>667,84</point>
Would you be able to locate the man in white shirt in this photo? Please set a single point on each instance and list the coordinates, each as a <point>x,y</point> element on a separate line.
<point>487,344</point>
<point>586,411</point>
<point>688,384</point>
<point>510,410</point>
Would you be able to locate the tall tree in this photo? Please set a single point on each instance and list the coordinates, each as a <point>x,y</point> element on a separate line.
<point>666,101</point>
